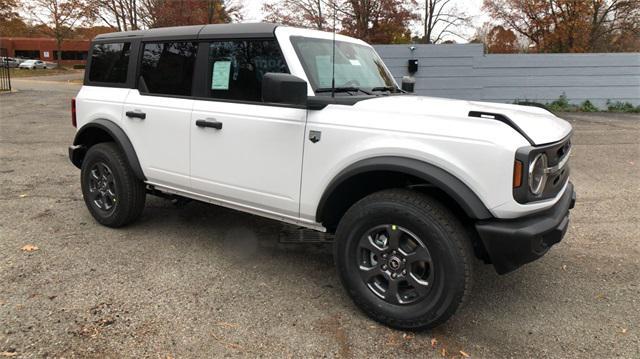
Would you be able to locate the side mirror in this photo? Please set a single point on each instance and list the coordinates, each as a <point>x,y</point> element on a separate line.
<point>284,88</point>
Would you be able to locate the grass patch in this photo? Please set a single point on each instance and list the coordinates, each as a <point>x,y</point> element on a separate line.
<point>624,107</point>
<point>562,105</point>
<point>18,73</point>
<point>587,106</point>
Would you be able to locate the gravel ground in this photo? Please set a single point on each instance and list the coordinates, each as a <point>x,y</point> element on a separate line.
<point>203,281</point>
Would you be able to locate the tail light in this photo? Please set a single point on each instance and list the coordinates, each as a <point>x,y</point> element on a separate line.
<point>74,121</point>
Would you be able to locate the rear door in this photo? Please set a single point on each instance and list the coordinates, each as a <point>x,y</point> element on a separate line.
<point>157,114</point>
<point>243,151</point>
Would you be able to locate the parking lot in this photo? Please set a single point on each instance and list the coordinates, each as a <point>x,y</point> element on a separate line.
<point>204,281</point>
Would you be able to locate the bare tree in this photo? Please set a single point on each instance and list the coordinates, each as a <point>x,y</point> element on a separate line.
<point>305,13</point>
<point>58,17</point>
<point>442,18</point>
<point>118,14</point>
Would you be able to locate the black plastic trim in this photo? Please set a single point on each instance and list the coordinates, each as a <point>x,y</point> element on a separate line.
<point>504,119</point>
<point>452,186</point>
<point>320,102</point>
<point>119,136</point>
<point>512,243</point>
<point>555,181</point>
<point>204,31</point>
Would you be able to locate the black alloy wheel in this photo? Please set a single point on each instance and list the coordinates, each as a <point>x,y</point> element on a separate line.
<point>395,264</point>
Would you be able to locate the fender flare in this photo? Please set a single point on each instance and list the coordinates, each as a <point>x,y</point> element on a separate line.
<point>120,138</point>
<point>451,185</point>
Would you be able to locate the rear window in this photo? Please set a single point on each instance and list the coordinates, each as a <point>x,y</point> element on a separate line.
<point>167,68</point>
<point>110,62</point>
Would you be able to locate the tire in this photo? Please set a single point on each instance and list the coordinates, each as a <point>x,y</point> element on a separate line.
<point>431,284</point>
<point>111,191</point>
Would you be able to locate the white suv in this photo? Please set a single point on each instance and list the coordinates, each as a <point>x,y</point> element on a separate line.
<point>261,119</point>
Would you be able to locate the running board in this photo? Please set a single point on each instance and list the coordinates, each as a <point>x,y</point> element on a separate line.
<point>238,207</point>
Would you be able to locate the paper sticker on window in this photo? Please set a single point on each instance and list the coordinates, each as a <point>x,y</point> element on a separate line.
<point>355,62</point>
<point>221,72</point>
<point>323,66</point>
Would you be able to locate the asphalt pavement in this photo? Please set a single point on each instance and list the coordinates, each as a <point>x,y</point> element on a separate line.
<point>203,281</point>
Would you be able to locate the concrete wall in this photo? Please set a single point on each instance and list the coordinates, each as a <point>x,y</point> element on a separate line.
<point>465,72</point>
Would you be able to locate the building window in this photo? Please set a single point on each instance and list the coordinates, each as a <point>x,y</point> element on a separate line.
<point>71,55</point>
<point>28,54</point>
<point>109,62</point>
<point>167,68</point>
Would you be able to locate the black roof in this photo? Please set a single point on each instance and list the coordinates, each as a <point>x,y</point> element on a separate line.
<point>212,31</point>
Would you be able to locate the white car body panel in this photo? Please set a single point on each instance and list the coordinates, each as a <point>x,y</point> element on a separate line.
<point>262,162</point>
<point>254,160</point>
<point>93,103</point>
<point>162,139</point>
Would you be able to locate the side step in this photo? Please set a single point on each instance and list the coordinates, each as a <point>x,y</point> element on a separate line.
<point>301,235</point>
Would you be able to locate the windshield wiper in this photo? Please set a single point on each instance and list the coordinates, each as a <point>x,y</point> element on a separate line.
<point>341,89</point>
<point>385,88</point>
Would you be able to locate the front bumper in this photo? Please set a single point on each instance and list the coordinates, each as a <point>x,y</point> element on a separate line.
<point>512,243</point>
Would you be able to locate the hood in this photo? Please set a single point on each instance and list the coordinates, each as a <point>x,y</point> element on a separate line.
<point>537,124</point>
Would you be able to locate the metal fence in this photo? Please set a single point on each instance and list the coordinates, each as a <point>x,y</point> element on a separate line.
<point>466,72</point>
<point>5,76</point>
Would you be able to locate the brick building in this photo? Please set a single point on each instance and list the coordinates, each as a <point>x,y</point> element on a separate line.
<point>73,51</point>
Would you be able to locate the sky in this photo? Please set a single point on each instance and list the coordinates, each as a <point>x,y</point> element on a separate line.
<point>253,12</point>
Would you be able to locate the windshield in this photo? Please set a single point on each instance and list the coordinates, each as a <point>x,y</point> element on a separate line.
<point>357,66</point>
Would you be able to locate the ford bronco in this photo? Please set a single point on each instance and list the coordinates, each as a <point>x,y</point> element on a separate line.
<point>310,129</point>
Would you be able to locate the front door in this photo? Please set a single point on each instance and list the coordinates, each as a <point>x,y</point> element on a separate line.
<point>157,115</point>
<point>244,152</point>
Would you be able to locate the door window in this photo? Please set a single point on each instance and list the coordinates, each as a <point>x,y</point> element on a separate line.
<point>167,67</point>
<point>236,68</point>
<point>109,62</point>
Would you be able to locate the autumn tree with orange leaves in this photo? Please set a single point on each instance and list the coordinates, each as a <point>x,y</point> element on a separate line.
<point>58,18</point>
<point>571,25</point>
<point>501,41</point>
<point>375,21</point>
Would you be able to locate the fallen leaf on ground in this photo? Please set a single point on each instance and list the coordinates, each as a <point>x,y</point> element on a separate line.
<point>227,325</point>
<point>8,354</point>
<point>29,248</point>
<point>434,342</point>
<point>234,346</point>
<point>464,354</point>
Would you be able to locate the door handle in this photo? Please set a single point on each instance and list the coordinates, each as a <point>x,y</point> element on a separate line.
<point>136,114</point>
<point>210,122</point>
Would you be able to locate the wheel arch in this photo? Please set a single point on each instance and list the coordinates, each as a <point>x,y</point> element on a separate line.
<point>102,130</point>
<point>349,186</point>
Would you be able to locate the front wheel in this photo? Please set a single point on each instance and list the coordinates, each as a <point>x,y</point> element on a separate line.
<point>112,193</point>
<point>404,259</point>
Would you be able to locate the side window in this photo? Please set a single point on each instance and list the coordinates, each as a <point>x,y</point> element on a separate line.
<point>109,62</point>
<point>167,67</point>
<point>236,68</point>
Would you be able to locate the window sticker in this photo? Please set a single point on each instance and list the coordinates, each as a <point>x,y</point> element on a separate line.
<point>221,73</point>
<point>323,66</point>
<point>355,62</point>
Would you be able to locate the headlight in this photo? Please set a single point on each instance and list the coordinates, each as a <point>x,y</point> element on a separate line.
<point>537,174</point>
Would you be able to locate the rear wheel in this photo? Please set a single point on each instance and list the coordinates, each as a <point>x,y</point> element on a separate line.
<point>112,193</point>
<point>404,258</point>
